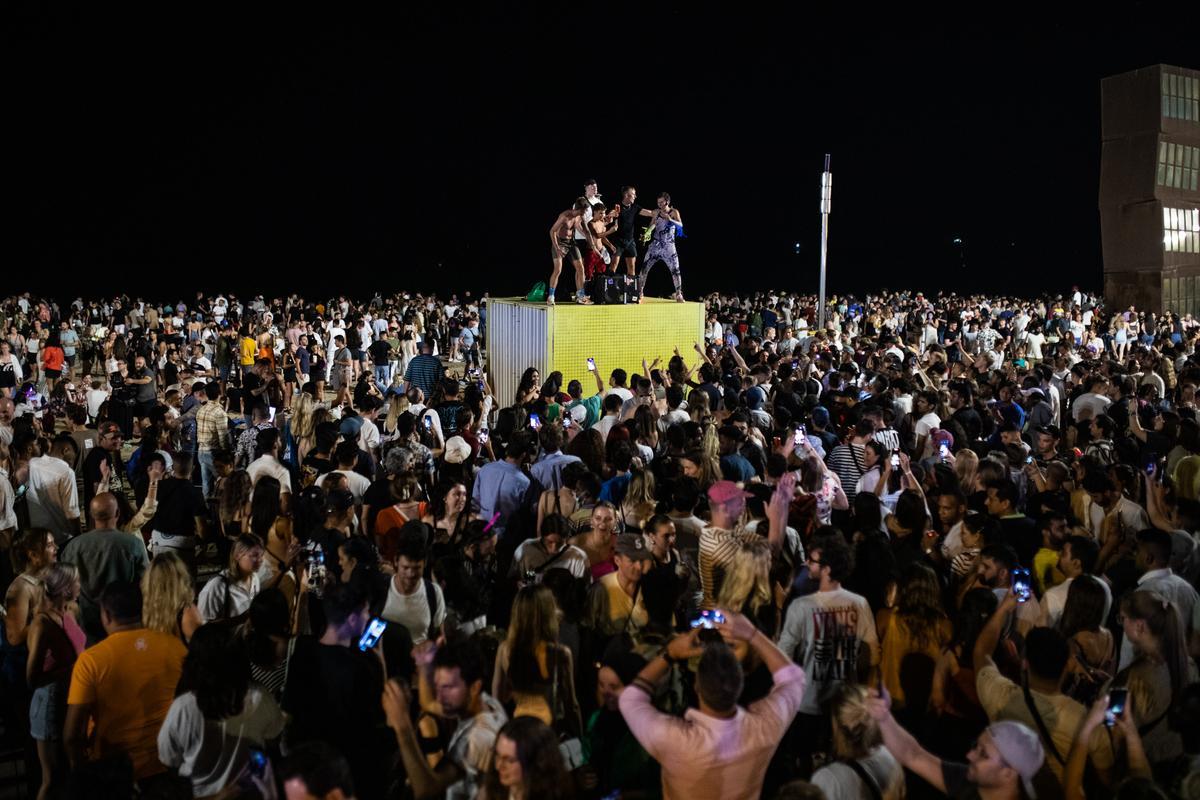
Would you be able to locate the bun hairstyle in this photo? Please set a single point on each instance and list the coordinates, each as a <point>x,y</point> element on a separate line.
<point>855,733</point>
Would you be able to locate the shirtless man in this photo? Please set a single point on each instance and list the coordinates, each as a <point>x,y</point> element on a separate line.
<point>600,259</point>
<point>562,245</point>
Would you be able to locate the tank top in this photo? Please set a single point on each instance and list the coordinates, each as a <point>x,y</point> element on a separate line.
<point>65,642</point>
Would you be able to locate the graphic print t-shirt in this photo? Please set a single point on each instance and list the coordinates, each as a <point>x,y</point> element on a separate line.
<point>823,632</point>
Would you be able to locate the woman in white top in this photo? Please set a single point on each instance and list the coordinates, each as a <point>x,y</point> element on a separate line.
<point>216,731</point>
<point>863,766</point>
<point>229,594</point>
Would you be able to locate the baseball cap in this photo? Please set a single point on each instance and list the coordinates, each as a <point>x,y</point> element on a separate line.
<point>350,426</point>
<point>457,450</point>
<point>1021,749</point>
<point>631,545</point>
<point>725,491</point>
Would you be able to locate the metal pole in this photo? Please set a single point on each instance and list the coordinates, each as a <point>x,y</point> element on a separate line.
<point>826,194</point>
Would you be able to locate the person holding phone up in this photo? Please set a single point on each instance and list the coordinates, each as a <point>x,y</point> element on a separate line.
<point>1038,702</point>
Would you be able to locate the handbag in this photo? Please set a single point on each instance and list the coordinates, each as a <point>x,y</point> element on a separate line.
<point>570,747</point>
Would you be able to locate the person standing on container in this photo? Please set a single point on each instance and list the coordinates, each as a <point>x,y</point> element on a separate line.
<point>667,223</point>
<point>563,246</point>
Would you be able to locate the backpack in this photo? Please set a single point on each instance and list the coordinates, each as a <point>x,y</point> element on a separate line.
<point>538,293</point>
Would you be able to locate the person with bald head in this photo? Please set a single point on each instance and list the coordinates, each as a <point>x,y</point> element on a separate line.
<point>103,555</point>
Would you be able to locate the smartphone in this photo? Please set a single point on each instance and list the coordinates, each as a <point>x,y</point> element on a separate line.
<point>257,762</point>
<point>895,462</point>
<point>370,637</point>
<point>1021,585</point>
<point>729,340</point>
<point>591,362</point>
<point>944,451</point>
<point>708,619</point>
<point>1151,465</point>
<point>1116,704</point>
<point>428,422</point>
<point>795,363</point>
<point>567,422</point>
<point>1028,459</point>
<point>271,413</point>
<point>483,436</point>
<point>797,437</point>
<point>535,422</point>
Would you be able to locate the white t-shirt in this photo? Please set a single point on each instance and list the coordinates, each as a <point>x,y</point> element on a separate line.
<point>412,610</point>
<point>52,497</point>
<point>269,465</point>
<point>822,633</point>
<point>841,782</point>
<point>922,428</point>
<point>358,484</point>
<point>368,436</point>
<point>213,603</point>
<point>95,399</point>
<point>619,391</point>
<point>212,753</point>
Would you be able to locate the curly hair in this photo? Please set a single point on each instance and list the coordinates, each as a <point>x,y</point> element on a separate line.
<point>920,605</point>
<point>748,581</point>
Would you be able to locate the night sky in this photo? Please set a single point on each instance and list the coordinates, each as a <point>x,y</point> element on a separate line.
<point>158,153</point>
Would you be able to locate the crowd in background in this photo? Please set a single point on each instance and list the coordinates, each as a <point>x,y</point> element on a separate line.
<point>938,546</point>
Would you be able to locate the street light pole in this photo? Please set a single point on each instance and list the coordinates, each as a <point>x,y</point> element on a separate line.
<point>826,194</point>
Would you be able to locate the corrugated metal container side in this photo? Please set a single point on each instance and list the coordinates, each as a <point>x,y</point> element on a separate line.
<point>518,338</point>
<point>562,338</point>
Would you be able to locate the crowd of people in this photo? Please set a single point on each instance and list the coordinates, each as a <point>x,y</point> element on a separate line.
<point>937,546</point>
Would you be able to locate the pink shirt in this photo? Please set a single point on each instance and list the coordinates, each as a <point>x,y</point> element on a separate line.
<point>706,757</point>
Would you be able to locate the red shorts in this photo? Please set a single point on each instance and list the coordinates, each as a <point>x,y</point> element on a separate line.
<point>593,265</point>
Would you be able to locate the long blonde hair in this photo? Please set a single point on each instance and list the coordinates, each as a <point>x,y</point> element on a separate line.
<point>166,590</point>
<point>748,580</point>
<point>966,462</point>
<point>303,425</point>
<point>533,625</point>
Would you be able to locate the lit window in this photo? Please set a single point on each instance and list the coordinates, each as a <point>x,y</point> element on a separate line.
<point>1181,230</point>
<point>1180,96</point>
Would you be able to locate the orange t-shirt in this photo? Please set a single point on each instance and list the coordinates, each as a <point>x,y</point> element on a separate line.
<point>129,681</point>
<point>387,530</point>
<point>53,358</point>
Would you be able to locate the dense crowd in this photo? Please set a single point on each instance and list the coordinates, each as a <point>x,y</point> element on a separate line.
<point>939,546</point>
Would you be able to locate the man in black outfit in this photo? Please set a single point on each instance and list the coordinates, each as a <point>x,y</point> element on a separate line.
<point>625,238</point>
<point>333,691</point>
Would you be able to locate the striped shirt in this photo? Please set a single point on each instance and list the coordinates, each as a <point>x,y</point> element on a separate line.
<point>847,461</point>
<point>717,549</point>
<point>425,371</point>
<point>212,427</point>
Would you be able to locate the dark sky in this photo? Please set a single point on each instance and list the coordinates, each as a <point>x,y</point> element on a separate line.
<point>433,149</point>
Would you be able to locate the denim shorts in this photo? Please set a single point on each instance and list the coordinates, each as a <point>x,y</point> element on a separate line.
<point>47,711</point>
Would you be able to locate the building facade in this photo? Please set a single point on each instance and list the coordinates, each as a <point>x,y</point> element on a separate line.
<point>1150,189</point>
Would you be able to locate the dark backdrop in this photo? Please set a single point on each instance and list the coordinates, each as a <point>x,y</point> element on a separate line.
<point>159,153</point>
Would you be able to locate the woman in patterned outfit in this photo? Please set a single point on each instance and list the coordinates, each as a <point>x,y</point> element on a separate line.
<point>662,247</point>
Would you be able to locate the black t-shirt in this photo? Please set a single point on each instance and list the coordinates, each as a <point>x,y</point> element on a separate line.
<point>378,496</point>
<point>332,695</point>
<point>321,463</point>
<point>251,382</point>
<point>380,351</point>
<point>954,775</point>
<point>448,412</point>
<point>627,223</point>
<point>179,503</point>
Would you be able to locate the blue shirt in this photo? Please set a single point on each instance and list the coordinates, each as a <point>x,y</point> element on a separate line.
<point>425,371</point>
<point>548,469</point>
<point>736,468</point>
<point>500,487</point>
<point>613,490</point>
